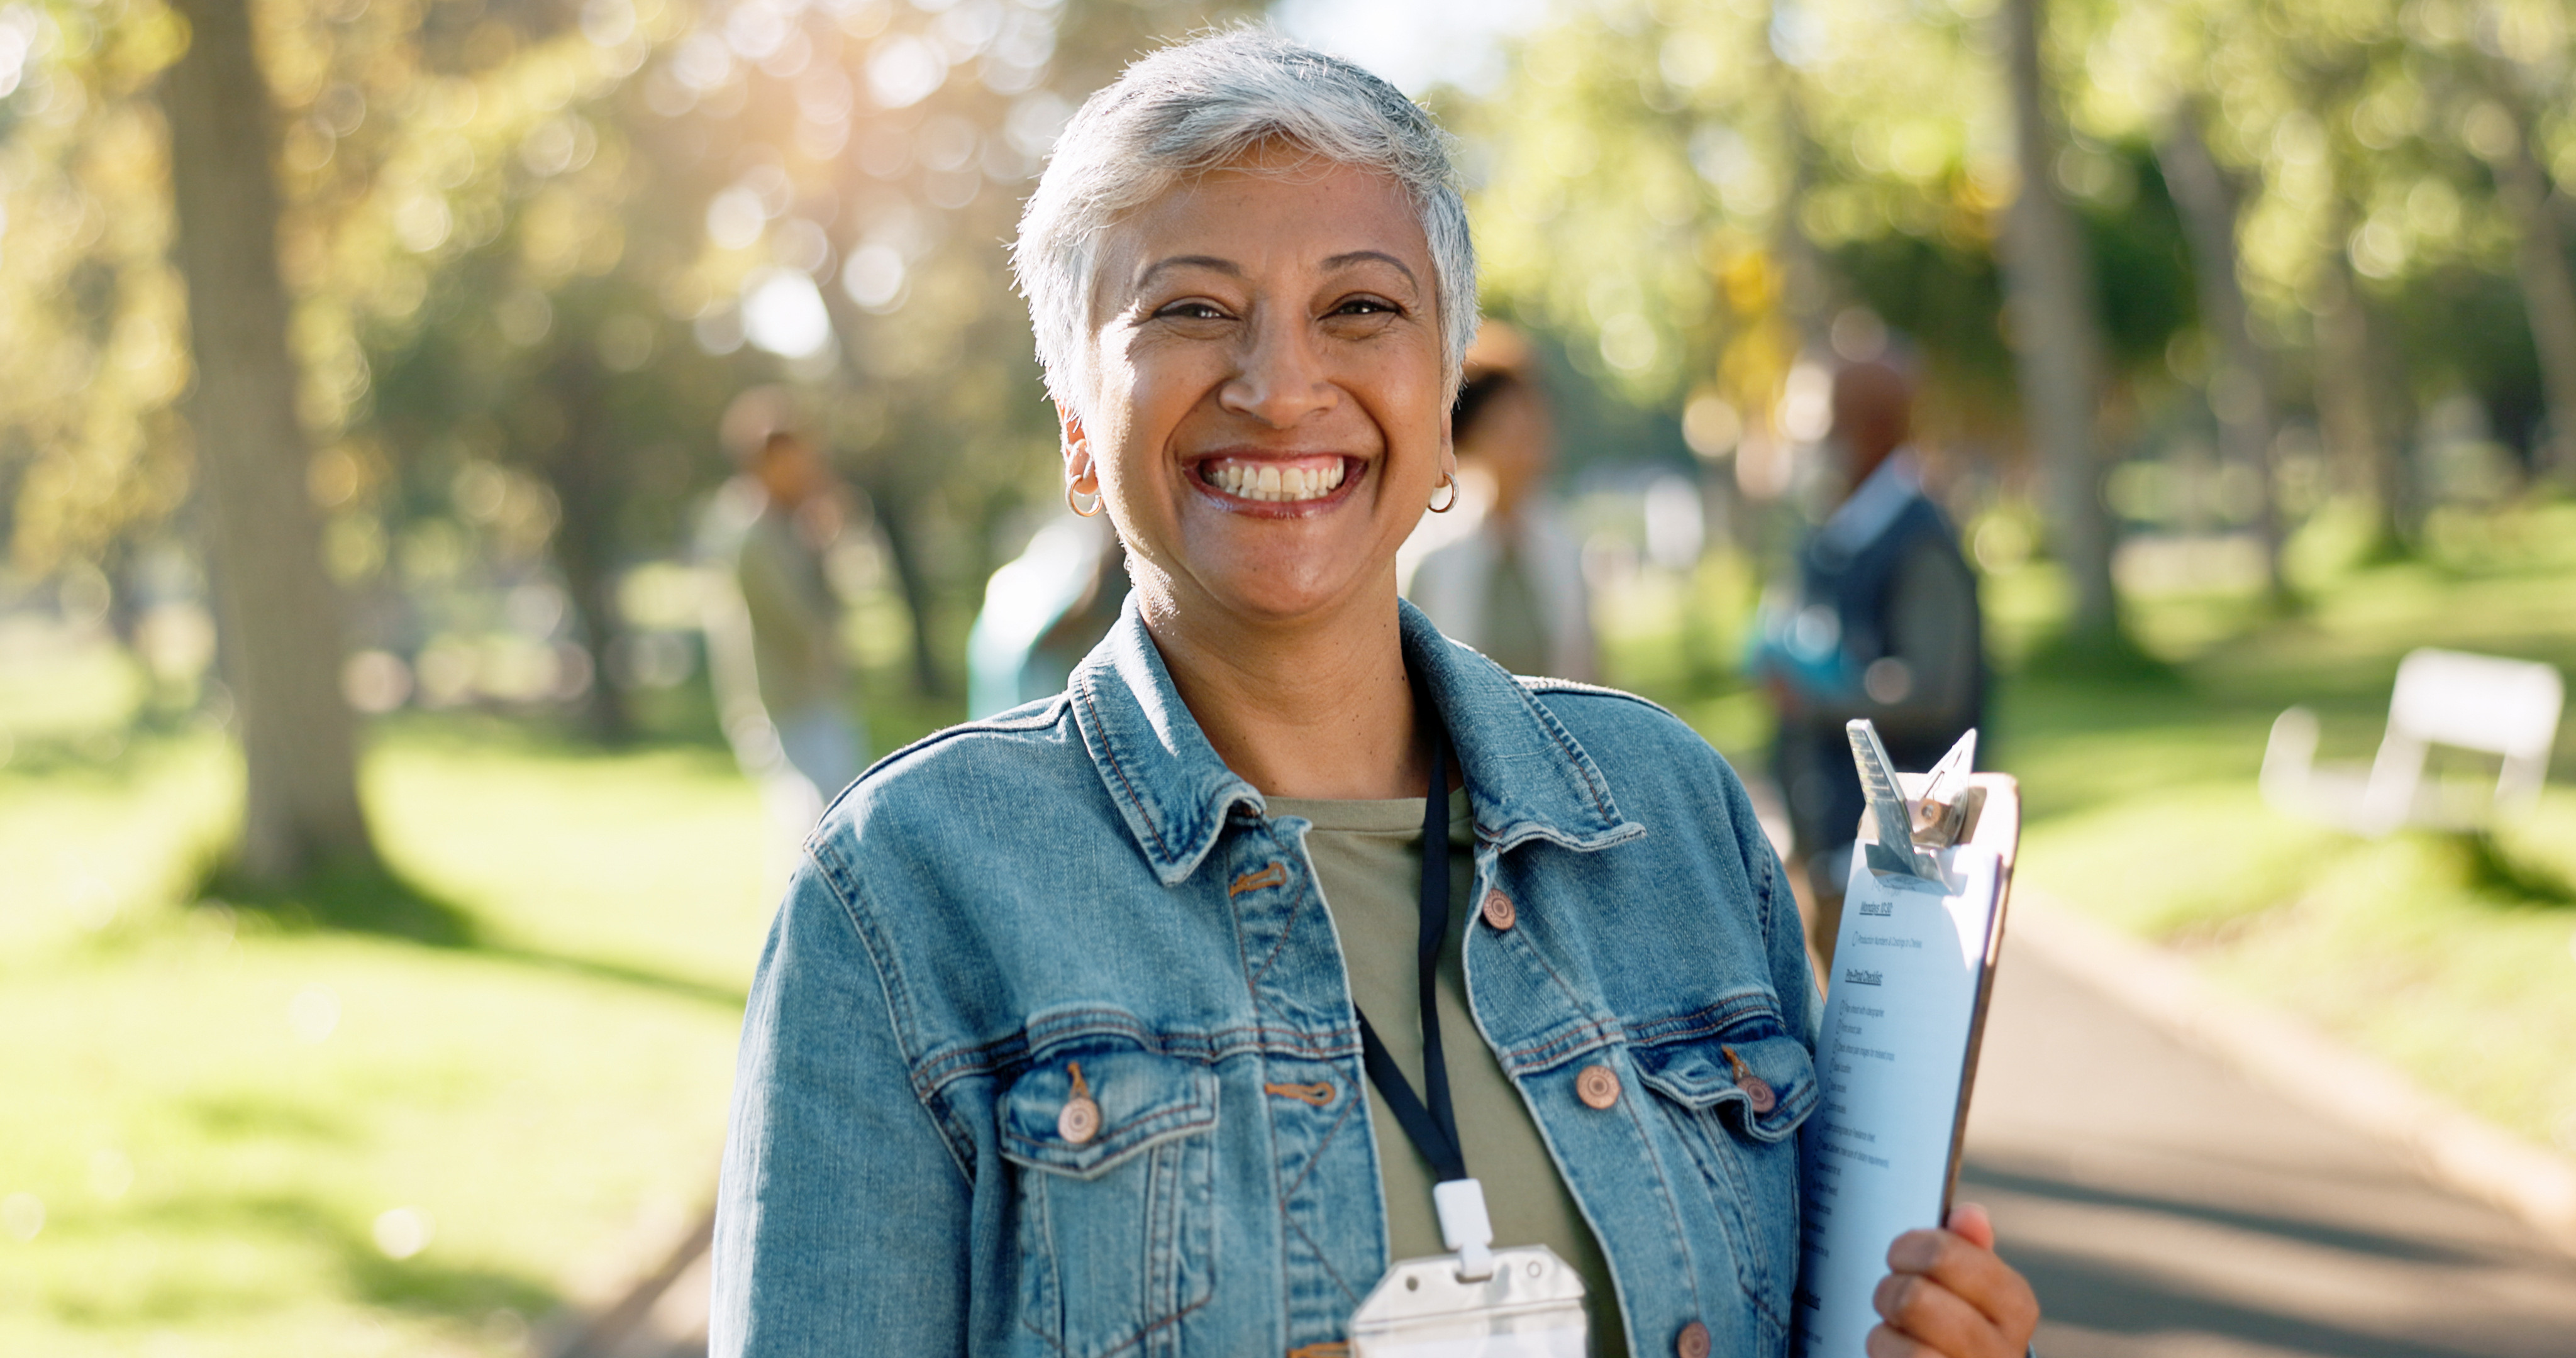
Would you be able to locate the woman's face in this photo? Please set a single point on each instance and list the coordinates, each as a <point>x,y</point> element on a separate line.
<point>1265,415</point>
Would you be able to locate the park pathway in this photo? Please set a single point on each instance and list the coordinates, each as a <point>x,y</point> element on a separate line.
<point>2167,1207</point>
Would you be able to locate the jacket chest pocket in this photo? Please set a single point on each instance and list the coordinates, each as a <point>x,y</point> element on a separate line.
<point>1736,1102</point>
<point>1114,1159</point>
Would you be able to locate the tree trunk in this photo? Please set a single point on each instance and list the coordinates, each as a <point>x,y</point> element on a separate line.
<point>2056,336</point>
<point>897,515</point>
<point>280,614</point>
<point>2347,405</point>
<point>2240,389</point>
<point>1802,270</point>
<point>2548,298</point>
<point>583,472</point>
<point>894,494</point>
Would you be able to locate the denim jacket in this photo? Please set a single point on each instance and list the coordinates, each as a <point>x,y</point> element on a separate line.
<point>1084,883</point>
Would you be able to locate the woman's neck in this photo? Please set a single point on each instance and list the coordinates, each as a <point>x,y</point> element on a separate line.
<point>1319,709</point>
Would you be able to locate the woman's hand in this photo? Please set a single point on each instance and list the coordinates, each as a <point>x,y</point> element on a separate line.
<point>1949,1295</point>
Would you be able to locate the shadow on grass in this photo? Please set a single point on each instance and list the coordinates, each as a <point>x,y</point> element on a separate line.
<point>2100,659</point>
<point>2491,869</point>
<point>369,898</point>
<point>419,1283</point>
<point>348,897</point>
<point>242,1117</point>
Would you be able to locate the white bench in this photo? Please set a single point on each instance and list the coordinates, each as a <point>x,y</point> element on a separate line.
<point>2507,708</point>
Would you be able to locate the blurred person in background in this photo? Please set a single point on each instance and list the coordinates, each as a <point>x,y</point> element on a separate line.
<point>1883,624</point>
<point>1044,612</point>
<point>773,622</point>
<point>1096,1028</point>
<point>1504,575</point>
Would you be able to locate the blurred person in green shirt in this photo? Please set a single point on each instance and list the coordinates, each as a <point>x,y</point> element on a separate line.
<point>773,622</point>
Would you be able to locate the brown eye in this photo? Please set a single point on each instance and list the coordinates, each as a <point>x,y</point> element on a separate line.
<point>1190,311</point>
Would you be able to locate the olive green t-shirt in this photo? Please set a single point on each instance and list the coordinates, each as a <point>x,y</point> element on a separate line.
<point>1368,861</point>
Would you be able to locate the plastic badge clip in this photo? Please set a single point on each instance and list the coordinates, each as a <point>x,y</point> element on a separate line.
<point>1465,1228</point>
<point>1894,853</point>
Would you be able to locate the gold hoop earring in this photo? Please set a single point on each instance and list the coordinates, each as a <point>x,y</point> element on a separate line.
<point>1451,483</point>
<point>1076,505</point>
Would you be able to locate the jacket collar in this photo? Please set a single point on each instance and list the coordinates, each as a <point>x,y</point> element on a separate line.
<point>1527,778</point>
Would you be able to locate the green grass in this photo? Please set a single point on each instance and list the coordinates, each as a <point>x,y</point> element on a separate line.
<point>523,1038</point>
<point>2452,957</point>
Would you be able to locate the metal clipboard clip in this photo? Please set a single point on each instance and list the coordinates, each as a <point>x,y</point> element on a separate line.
<point>1913,830</point>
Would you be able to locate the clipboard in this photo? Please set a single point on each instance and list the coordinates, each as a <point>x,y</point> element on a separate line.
<point>1905,1011</point>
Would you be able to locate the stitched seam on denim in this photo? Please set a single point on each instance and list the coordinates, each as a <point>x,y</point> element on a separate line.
<point>1591,1036</point>
<point>1521,938</point>
<point>1331,1134</point>
<point>1340,1119</point>
<point>1541,683</point>
<point>1587,1036</point>
<point>1130,1342</point>
<point>1109,751</point>
<point>1072,1024</point>
<point>848,892</point>
<point>1197,1117</point>
<point>1287,927</point>
<point>1574,753</point>
<point>1055,1275</point>
<point>1706,1021</point>
<point>1716,1142</point>
<point>1243,959</point>
<point>1323,1262</point>
<point>990,1057</point>
<point>1672,1209</point>
<point>1036,721</point>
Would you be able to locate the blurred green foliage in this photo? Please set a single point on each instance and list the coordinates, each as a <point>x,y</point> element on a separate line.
<point>537,248</point>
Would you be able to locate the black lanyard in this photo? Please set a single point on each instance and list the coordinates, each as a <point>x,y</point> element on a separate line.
<point>1433,1130</point>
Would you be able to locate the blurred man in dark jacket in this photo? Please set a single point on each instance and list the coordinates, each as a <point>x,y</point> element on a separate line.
<point>1884,624</point>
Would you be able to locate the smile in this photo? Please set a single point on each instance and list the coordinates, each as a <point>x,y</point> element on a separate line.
<point>1275,480</point>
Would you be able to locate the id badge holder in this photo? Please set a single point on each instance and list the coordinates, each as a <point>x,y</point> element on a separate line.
<point>1477,1303</point>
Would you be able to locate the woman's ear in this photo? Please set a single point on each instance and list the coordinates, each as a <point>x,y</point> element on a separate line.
<point>1078,467</point>
<point>1448,442</point>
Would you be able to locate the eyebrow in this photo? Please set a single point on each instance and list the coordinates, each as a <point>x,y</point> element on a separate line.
<point>1355,256</point>
<point>1233,270</point>
<point>1223,266</point>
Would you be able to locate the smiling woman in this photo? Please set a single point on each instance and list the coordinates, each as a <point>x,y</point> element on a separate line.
<point>1097,1027</point>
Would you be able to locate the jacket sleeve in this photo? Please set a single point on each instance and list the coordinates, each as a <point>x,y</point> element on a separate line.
<point>842,1221</point>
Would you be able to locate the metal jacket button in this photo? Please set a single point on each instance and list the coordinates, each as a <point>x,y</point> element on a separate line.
<point>1079,1122</point>
<point>1597,1086</point>
<point>1498,910</point>
<point>1758,1092</point>
<point>1692,1342</point>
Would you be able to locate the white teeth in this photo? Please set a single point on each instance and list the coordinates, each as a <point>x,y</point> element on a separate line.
<point>1275,483</point>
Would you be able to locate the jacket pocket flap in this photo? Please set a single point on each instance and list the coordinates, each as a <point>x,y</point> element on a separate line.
<point>1697,1075</point>
<point>1139,1098</point>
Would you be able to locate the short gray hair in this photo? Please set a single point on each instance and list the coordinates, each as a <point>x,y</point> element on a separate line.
<point>1200,106</point>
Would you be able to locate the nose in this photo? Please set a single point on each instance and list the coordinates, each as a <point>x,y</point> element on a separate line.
<point>1280,378</point>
